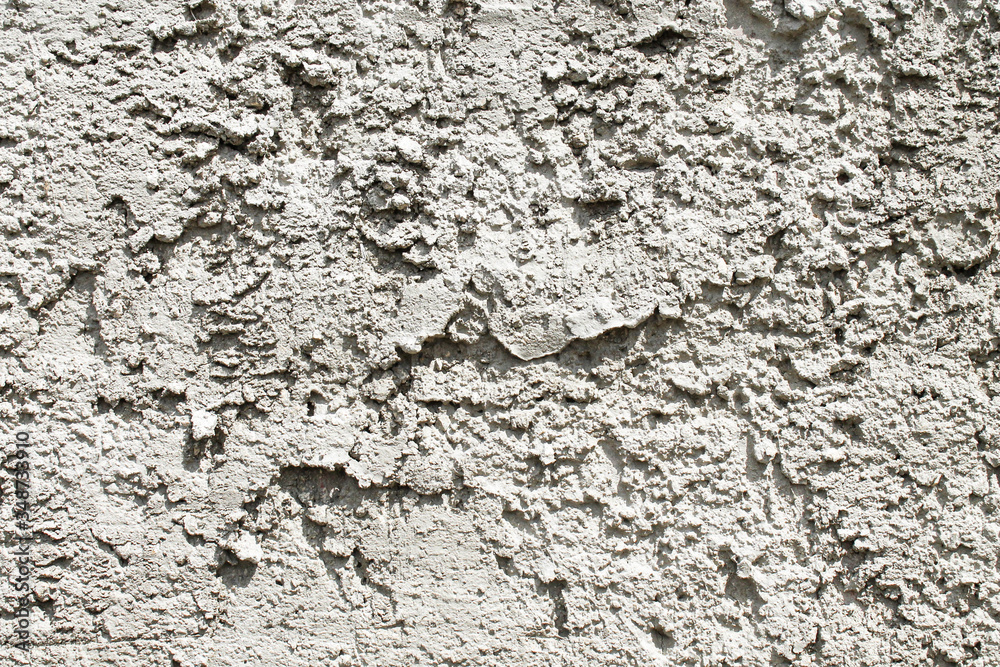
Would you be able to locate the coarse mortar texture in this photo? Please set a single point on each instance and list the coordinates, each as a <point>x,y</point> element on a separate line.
<point>581,332</point>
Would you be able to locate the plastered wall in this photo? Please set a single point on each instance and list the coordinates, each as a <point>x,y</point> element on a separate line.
<point>583,332</point>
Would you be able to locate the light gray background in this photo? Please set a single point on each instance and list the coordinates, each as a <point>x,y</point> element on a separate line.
<point>567,333</point>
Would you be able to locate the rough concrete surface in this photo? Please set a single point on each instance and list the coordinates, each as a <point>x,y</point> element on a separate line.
<point>574,332</point>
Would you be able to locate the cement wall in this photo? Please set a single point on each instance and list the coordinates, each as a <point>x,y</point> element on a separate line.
<point>575,332</point>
